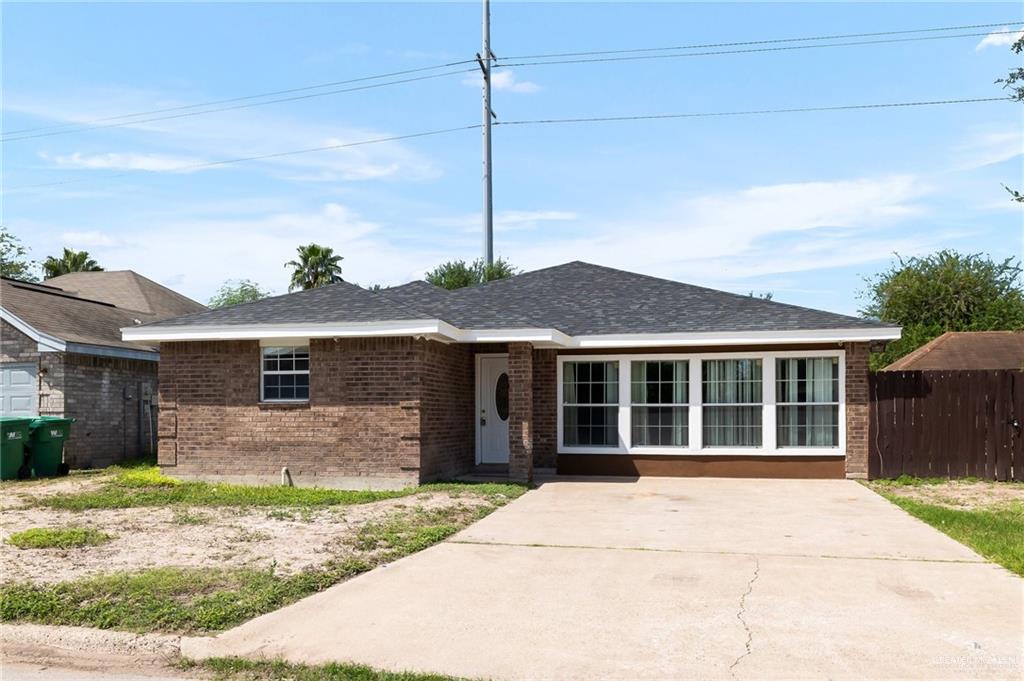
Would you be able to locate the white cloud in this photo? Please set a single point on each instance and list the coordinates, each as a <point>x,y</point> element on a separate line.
<point>1003,37</point>
<point>990,147</point>
<point>82,240</point>
<point>227,135</point>
<point>506,221</point>
<point>735,234</point>
<point>505,80</point>
<point>126,161</point>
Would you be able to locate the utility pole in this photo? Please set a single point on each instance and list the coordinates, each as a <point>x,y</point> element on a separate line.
<point>485,64</point>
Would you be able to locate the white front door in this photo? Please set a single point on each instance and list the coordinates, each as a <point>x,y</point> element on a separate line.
<point>18,390</point>
<point>492,409</point>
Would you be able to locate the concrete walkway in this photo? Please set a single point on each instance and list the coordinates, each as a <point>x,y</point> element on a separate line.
<point>669,579</point>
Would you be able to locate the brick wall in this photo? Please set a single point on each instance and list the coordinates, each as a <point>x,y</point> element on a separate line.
<point>361,427</point>
<point>545,408</point>
<point>857,410</point>
<point>91,390</point>
<point>520,412</point>
<point>447,410</point>
<point>103,395</point>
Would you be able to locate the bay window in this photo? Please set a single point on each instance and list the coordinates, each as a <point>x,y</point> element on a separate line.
<point>590,404</point>
<point>732,399</point>
<point>284,374</point>
<point>807,401</point>
<point>659,395</point>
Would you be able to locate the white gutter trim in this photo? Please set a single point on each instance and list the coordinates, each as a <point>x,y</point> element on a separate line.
<point>45,342</point>
<point>736,337</point>
<point>117,353</point>
<point>410,327</point>
<point>443,331</point>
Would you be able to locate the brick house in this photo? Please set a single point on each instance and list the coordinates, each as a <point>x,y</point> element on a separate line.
<point>578,368</point>
<point>61,354</point>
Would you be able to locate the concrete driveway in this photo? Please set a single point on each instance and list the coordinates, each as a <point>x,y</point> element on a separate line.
<point>669,579</point>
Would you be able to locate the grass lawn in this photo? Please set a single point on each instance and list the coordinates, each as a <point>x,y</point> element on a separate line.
<point>993,528</point>
<point>234,669</point>
<point>143,485</point>
<point>58,538</point>
<point>204,600</point>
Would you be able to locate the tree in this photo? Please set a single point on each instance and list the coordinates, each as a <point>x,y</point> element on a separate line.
<point>1014,82</point>
<point>13,261</point>
<point>69,261</point>
<point>236,292</point>
<point>317,266</point>
<point>457,274</point>
<point>945,291</point>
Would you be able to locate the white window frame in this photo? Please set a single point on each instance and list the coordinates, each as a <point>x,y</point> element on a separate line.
<point>768,405</point>
<point>649,404</point>
<point>618,405</point>
<point>840,379</point>
<point>263,372</point>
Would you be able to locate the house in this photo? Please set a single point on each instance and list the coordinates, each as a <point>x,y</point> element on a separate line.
<point>61,354</point>
<point>966,350</point>
<point>579,368</point>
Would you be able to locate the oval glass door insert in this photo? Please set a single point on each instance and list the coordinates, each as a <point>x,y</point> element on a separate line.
<point>501,397</point>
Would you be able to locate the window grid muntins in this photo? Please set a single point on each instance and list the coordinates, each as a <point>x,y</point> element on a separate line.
<point>285,374</point>
<point>659,402</point>
<point>732,395</point>
<point>807,402</point>
<point>590,404</point>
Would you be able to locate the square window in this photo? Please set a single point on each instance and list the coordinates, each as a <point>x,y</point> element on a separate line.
<point>285,374</point>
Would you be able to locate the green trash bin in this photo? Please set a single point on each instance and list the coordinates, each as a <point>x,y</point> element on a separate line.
<point>14,434</point>
<point>47,444</point>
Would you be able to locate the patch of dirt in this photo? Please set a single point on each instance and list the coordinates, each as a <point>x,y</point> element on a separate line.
<point>16,493</point>
<point>960,494</point>
<point>288,539</point>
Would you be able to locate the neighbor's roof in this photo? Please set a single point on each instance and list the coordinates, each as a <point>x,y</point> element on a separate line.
<point>127,290</point>
<point>966,350</point>
<point>575,299</point>
<point>69,317</point>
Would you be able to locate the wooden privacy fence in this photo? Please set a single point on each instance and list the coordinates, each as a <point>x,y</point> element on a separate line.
<point>951,424</point>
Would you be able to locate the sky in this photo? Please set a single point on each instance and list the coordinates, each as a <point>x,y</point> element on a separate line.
<point>804,205</point>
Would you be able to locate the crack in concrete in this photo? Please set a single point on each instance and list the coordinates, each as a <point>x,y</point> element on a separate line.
<point>739,615</point>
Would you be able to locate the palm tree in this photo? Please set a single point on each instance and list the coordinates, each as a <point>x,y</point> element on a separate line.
<point>70,261</point>
<point>317,266</point>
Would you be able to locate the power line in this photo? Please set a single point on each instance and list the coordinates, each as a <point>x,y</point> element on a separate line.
<point>188,114</point>
<point>543,121</point>
<point>787,48</point>
<point>702,46</point>
<point>273,93</point>
<point>277,154</point>
<point>752,112</point>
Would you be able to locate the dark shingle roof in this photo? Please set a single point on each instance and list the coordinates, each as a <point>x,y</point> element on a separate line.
<point>336,303</point>
<point>583,299</point>
<point>576,298</point>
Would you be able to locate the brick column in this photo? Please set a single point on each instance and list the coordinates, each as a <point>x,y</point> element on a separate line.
<point>520,418</point>
<point>857,410</point>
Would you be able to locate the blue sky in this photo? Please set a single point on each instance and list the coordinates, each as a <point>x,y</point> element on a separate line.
<point>803,205</point>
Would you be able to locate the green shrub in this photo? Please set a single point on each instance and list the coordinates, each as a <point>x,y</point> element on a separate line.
<point>58,538</point>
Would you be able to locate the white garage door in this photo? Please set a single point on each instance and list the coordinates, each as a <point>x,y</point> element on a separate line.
<point>18,390</point>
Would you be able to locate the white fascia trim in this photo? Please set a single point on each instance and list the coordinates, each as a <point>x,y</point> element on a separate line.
<point>45,341</point>
<point>637,340</point>
<point>404,327</point>
<point>549,337</point>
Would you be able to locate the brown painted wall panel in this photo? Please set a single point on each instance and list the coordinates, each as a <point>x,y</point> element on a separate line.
<point>698,466</point>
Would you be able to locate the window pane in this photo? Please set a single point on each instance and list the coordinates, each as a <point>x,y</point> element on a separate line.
<point>726,426</point>
<point>731,381</point>
<point>807,380</point>
<point>285,373</point>
<point>590,383</point>
<point>807,426</point>
<point>665,382</point>
<point>660,426</point>
<point>596,426</point>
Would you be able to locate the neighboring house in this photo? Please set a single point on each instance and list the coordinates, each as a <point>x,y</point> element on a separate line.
<point>966,350</point>
<point>582,368</point>
<point>61,354</point>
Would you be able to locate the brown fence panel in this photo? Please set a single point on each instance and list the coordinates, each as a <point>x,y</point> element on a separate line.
<point>951,424</point>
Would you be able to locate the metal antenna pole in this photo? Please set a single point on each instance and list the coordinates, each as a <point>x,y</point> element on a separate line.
<point>485,64</point>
